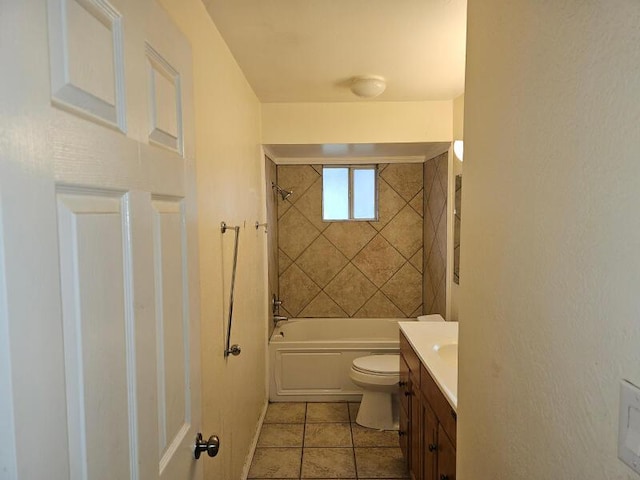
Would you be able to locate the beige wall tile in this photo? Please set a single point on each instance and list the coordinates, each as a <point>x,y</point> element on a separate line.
<point>350,289</point>
<point>405,289</point>
<point>323,306</point>
<point>322,261</point>
<point>350,237</point>
<point>295,233</point>
<point>283,262</point>
<point>404,178</point>
<point>379,306</point>
<point>296,289</point>
<point>405,231</point>
<point>310,205</point>
<point>417,203</point>
<point>378,260</point>
<point>297,178</point>
<point>417,261</point>
<point>389,204</point>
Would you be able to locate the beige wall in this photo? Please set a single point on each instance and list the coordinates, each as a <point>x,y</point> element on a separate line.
<point>351,269</point>
<point>356,122</point>
<point>549,314</point>
<point>229,172</point>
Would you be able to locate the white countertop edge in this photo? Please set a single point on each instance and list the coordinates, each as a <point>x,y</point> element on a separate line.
<point>423,336</point>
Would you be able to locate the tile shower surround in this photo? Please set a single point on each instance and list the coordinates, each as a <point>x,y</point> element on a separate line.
<point>435,234</point>
<point>351,269</point>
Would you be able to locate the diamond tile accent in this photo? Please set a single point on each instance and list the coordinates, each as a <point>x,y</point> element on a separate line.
<point>435,264</point>
<point>389,204</point>
<point>404,232</point>
<point>417,203</point>
<point>350,237</point>
<point>378,260</point>
<point>330,269</point>
<point>435,202</point>
<point>283,206</point>
<point>417,311</point>
<point>442,168</point>
<point>417,261</point>
<point>404,178</point>
<point>283,262</point>
<point>350,289</point>
<point>379,306</point>
<point>323,306</point>
<point>322,261</point>
<point>295,233</point>
<point>310,205</point>
<point>405,289</point>
<point>297,178</point>
<point>430,173</point>
<point>296,289</point>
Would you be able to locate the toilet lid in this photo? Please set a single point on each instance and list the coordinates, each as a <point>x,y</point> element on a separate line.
<point>380,364</point>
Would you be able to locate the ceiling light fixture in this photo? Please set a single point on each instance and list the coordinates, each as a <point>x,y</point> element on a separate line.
<point>458,149</point>
<point>368,86</point>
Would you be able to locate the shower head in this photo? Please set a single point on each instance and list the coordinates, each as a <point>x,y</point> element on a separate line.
<point>283,193</point>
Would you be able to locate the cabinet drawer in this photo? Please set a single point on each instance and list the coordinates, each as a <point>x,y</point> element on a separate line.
<point>403,434</point>
<point>446,415</point>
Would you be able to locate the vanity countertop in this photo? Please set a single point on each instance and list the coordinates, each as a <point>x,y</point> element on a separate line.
<point>436,343</point>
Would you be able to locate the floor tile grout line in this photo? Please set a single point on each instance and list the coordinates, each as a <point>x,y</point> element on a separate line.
<point>304,433</point>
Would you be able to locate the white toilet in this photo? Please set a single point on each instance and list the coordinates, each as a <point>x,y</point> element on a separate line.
<point>378,376</point>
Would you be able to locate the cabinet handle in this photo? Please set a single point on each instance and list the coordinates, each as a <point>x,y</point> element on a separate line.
<point>402,383</point>
<point>401,433</point>
<point>444,477</point>
<point>407,394</point>
<point>432,447</point>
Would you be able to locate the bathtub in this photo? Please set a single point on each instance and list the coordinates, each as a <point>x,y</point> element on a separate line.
<point>310,358</point>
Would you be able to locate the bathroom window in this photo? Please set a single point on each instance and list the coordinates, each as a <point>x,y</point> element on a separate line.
<point>349,193</point>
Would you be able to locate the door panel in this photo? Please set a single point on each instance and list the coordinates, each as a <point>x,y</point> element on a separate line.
<point>98,335</point>
<point>98,222</point>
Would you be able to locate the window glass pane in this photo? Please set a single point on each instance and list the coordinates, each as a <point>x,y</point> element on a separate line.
<point>364,193</point>
<point>335,193</point>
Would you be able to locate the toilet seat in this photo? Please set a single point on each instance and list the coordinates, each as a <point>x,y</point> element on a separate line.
<point>379,365</point>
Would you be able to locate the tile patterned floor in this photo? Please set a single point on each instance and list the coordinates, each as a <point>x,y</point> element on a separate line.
<point>322,441</point>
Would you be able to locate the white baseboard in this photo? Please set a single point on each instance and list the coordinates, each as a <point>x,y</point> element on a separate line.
<point>254,443</point>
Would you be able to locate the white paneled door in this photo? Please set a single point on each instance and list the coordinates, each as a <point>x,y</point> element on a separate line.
<point>99,336</point>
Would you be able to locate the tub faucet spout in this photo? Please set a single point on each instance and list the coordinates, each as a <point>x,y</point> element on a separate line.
<point>277,318</point>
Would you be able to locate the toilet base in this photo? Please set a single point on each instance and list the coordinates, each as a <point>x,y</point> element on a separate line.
<point>379,410</point>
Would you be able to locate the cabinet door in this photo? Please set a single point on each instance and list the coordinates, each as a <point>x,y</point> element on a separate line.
<point>403,434</point>
<point>416,428</point>
<point>430,442</point>
<point>446,456</point>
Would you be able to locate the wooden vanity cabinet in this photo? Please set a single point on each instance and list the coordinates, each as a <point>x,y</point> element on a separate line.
<point>427,421</point>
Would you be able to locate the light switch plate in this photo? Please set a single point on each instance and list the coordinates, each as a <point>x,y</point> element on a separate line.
<point>629,427</point>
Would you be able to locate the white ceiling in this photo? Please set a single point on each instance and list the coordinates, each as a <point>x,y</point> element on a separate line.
<point>307,50</point>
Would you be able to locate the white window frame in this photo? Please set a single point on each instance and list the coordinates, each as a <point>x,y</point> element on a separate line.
<point>351,169</point>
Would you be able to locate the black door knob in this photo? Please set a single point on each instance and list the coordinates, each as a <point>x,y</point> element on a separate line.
<point>211,446</point>
<point>432,447</point>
